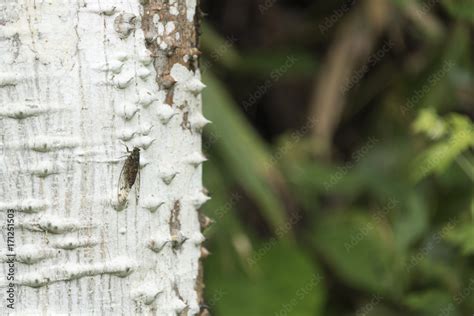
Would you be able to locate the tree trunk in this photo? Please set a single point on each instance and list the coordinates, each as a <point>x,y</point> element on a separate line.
<point>78,81</point>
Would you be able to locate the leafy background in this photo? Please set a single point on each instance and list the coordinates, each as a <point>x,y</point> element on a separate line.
<point>341,157</point>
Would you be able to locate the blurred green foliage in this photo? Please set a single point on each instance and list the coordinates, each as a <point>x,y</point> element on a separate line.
<point>383,227</point>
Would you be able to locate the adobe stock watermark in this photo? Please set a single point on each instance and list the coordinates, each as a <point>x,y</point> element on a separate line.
<point>426,7</point>
<point>376,219</point>
<point>210,139</point>
<point>434,240</point>
<point>216,54</point>
<point>458,299</point>
<point>11,259</point>
<point>224,209</point>
<point>356,157</point>
<point>336,15</point>
<point>295,138</point>
<point>372,61</point>
<point>216,297</point>
<point>281,231</point>
<point>299,296</point>
<point>263,88</point>
<point>263,8</point>
<point>367,308</point>
<point>430,82</point>
<point>424,169</point>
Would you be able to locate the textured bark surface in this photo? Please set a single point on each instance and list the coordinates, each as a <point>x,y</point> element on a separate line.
<point>78,79</point>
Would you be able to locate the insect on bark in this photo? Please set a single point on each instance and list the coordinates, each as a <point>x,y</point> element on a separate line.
<point>128,176</point>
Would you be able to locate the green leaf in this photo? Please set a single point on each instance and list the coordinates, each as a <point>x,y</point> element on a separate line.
<point>432,302</point>
<point>218,49</point>
<point>244,154</point>
<point>429,123</point>
<point>461,9</point>
<point>227,235</point>
<point>439,156</point>
<point>463,236</point>
<point>222,206</point>
<point>411,220</point>
<point>275,64</point>
<point>359,249</point>
<point>289,284</point>
<point>433,272</point>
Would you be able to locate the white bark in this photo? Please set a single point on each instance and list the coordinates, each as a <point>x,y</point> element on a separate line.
<point>76,80</point>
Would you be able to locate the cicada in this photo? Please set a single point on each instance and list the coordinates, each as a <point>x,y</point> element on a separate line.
<point>128,176</point>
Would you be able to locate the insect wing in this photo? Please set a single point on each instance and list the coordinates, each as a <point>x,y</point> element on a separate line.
<point>124,184</point>
<point>137,187</point>
<point>128,177</point>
